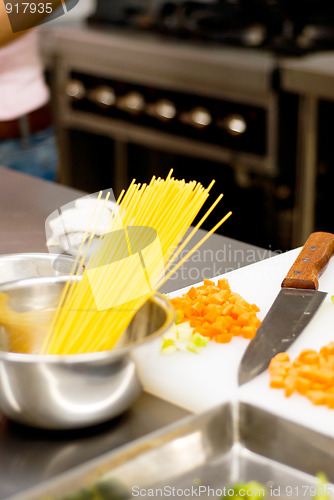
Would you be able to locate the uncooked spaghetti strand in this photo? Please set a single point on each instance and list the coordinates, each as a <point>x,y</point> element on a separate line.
<point>91,237</point>
<point>183,224</point>
<point>82,328</point>
<point>193,231</point>
<point>169,234</point>
<point>115,333</point>
<point>195,247</point>
<point>104,335</point>
<point>77,307</point>
<point>176,230</point>
<point>77,257</point>
<point>67,286</point>
<point>184,197</point>
<point>151,193</point>
<point>85,318</point>
<point>129,193</point>
<point>68,290</point>
<point>114,211</point>
<point>210,185</point>
<point>189,237</point>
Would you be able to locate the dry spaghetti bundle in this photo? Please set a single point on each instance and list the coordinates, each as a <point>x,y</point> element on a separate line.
<point>133,258</point>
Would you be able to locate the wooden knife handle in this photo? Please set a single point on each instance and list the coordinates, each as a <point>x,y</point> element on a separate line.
<point>311,262</point>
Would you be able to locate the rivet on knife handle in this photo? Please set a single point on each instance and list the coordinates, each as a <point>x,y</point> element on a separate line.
<point>311,262</point>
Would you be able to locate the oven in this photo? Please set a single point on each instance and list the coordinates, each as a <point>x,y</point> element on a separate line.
<point>135,104</point>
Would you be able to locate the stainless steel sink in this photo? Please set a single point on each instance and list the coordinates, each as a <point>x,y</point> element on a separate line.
<point>203,454</point>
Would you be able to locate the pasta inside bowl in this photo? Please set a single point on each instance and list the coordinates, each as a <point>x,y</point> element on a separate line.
<point>75,390</point>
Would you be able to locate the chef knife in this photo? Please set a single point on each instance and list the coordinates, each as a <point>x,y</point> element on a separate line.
<point>293,308</point>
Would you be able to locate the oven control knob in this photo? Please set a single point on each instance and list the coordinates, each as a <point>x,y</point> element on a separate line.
<point>233,124</point>
<point>75,89</point>
<point>163,109</point>
<point>103,96</point>
<point>197,117</point>
<point>133,103</point>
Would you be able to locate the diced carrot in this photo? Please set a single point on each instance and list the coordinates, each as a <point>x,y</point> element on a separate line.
<point>224,322</point>
<point>233,298</point>
<point>223,338</point>
<point>309,356</point>
<point>195,322</point>
<point>223,284</point>
<point>302,385</point>
<point>248,332</point>
<point>243,319</point>
<point>216,299</point>
<point>281,357</point>
<point>317,375</point>
<point>329,401</point>
<point>205,329</point>
<point>211,316</point>
<point>327,350</point>
<point>235,329</point>
<point>227,309</point>
<point>212,309</point>
<point>217,330</point>
<point>279,370</point>
<point>311,374</point>
<point>192,293</point>
<point>216,308</point>
<point>317,397</point>
<point>289,384</point>
<point>277,382</point>
<point>198,308</point>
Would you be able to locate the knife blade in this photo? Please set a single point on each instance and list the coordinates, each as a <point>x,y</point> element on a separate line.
<point>295,305</point>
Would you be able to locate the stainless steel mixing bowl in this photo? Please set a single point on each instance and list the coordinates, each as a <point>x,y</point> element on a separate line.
<point>17,266</point>
<point>73,391</point>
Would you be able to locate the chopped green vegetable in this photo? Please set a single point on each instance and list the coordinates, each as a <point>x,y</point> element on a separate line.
<point>179,317</point>
<point>254,490</point>
<point>322,492</point>
<point>246,491</point>
<point>181,337</point>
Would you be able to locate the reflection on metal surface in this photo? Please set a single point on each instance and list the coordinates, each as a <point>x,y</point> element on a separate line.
<point>75,89</point>
<point>103,96</point>
<point>198,117</point>
<point>163,109</point>
<point>207,452</point>
<point>234,124</point>
<point>41,455</point>
<point>17,266</point>
<point>133,102</point>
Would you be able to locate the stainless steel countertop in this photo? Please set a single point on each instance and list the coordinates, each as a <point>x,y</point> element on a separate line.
<point>29,456</point>
<point>312,75</point>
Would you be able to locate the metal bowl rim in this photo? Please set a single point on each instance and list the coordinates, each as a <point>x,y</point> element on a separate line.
<point>82,357</point>
<point>42,255</point>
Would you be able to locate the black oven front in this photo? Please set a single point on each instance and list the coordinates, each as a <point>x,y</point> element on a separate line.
<point>137,107</point>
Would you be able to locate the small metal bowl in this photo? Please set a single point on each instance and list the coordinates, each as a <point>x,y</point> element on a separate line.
<point>77,390</point>
<point>18,266</point>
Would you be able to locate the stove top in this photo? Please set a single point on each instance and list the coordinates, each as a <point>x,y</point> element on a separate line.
<point>283,26</point>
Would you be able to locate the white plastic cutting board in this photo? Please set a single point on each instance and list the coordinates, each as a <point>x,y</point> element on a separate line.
<point>198,382</point>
